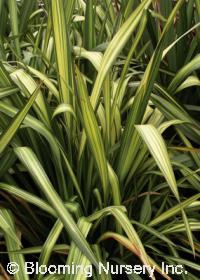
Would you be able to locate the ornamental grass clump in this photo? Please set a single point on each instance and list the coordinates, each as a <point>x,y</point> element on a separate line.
<point>99,139</point>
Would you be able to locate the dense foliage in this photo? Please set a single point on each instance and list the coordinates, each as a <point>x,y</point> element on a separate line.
<point>100,134</point>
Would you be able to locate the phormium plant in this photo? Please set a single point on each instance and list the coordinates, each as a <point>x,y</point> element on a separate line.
<point>99,139</point>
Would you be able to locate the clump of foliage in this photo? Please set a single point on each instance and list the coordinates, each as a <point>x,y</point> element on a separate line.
<point>100,134</point>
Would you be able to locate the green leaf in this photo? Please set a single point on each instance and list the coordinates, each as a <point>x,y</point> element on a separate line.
<point>141,99</point>
<point>61,108</point>
<point>29,159</point>
<point>13,245</point>
<point>157,148</point>
<point>92,131</point>
<point>174,210</point>
<point>7,228</point>
<point>16,122</point>
<point>63,50</point>
<point>115,47</point>
<point>193,65</point>
<point>14,25</point>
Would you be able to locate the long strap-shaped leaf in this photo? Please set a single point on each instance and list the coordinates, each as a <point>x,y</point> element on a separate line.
<point>115,47</point>
<point>122,218</point>
<point>92,131</point>
<point>15,124</point>
<point>75,255</point>
<point>157,148</point>
<point>29,159</point>
<point>131,247</point>
<point>28,197</point>
<point>62,51</point>
<point>49,244</point>
<point>28,85</point>
<point>14,24</point>
<point>13,246</point>
<point>174,210</point>
<point>7,228</point>
<point>137,39</point>
<point>193,65</point>
<point>111,53</point>
<point>141,100</point>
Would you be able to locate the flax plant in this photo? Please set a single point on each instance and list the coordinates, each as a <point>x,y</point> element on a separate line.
<point>100,136</point>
